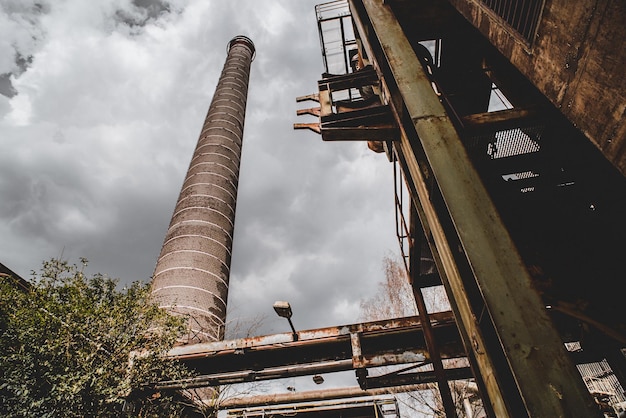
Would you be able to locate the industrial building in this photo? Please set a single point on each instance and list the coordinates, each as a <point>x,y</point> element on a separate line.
<point>506,120</point>
<point>503,121</point>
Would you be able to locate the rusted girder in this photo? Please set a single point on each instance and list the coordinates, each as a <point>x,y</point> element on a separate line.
<point>312,396</point>
<point>357,117</point>
<point>465,228</point>
<point>360,407</point>
<point>332,349</point>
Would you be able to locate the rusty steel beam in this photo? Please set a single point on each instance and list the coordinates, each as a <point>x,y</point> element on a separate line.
<point>370,383</point>
<point>502,119</point>
<point>246,376</point>
<point>448,271</point>
<point>386,326</point>
<point>545,378</point>
<point>431,341</point>
<point>315,396</point>
<point>312,396</point>
<point>361,408</point>
<point>356,346</point>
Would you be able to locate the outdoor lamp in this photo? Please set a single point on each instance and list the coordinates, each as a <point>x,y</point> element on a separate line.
<point>283,309</point>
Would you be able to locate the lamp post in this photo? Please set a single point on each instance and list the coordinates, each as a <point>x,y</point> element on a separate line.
<point>283,309</point>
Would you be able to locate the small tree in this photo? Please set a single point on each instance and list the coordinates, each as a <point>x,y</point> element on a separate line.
<point>394,299</point>
<point>65,345</point>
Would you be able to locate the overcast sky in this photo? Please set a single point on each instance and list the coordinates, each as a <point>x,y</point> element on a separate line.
<point>101,106</point>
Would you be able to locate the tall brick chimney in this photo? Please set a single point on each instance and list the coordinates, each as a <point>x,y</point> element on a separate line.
<point>192,272</point>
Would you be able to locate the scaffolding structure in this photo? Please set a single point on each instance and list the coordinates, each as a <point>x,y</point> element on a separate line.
<point>501,201</point>
<point>496,188</point>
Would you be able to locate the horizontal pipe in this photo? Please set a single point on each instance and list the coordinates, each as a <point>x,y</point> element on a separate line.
<point>312,396</point>
<point>255,375</point>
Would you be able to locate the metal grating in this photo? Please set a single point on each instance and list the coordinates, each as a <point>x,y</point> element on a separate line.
<point>509,142</point>
<point>521,15</point>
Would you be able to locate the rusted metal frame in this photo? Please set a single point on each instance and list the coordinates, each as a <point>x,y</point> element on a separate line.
<point>313,111</point>
<point>402,229</point>
<point>356,79</point>
<point>358,363</point>
<point>313,396</point>
<point>370,123</point>
<point>470,334</point>
<point>335,408</point>
<point>326,105</point>
<point>313,126</point>
<point>307,369</point>
<point>355,358</point>
<point>321,38</point>
<point>350,125</point>
<point>431,342</point>
<point>313,97</point>
<point>313,336</point>
<point>246,376</point>
<point>374,133</point>
<point>358,116</point>
<point>547,381</point>
<point>500,120</point>
<point>440,249</point>
<point>343,46</point>
<point>452,374</point>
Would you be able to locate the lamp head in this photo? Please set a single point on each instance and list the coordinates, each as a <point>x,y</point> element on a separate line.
<point>283,309</point>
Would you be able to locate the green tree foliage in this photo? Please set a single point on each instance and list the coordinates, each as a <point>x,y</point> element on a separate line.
<point>65,346</point>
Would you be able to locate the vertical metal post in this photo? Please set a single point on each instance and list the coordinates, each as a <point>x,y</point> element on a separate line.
<point>540,379</point>
<point>192,272</point>
<point>431,343</point>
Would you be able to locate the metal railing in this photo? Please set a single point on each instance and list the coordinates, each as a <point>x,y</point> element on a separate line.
<point>521,15</point>
<point>337,38</point>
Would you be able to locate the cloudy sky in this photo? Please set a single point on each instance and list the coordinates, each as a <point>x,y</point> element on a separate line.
<point>101,105</point>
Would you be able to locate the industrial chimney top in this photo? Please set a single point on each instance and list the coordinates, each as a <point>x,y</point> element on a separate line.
<point>244,40</point>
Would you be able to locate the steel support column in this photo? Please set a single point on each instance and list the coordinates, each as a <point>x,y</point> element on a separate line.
<point>431,342</point>
<point>543,376</point>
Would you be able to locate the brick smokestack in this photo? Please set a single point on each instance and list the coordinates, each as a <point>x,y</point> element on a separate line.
<point>192,271</point>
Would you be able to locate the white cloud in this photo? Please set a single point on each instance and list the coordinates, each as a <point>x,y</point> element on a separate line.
<point>102,129</point>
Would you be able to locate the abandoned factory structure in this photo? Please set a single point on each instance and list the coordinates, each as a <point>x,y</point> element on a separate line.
<point>505,124</point>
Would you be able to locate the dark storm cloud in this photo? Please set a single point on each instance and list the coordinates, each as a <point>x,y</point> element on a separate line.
<point>144,11</point>
<point>6,86</point>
